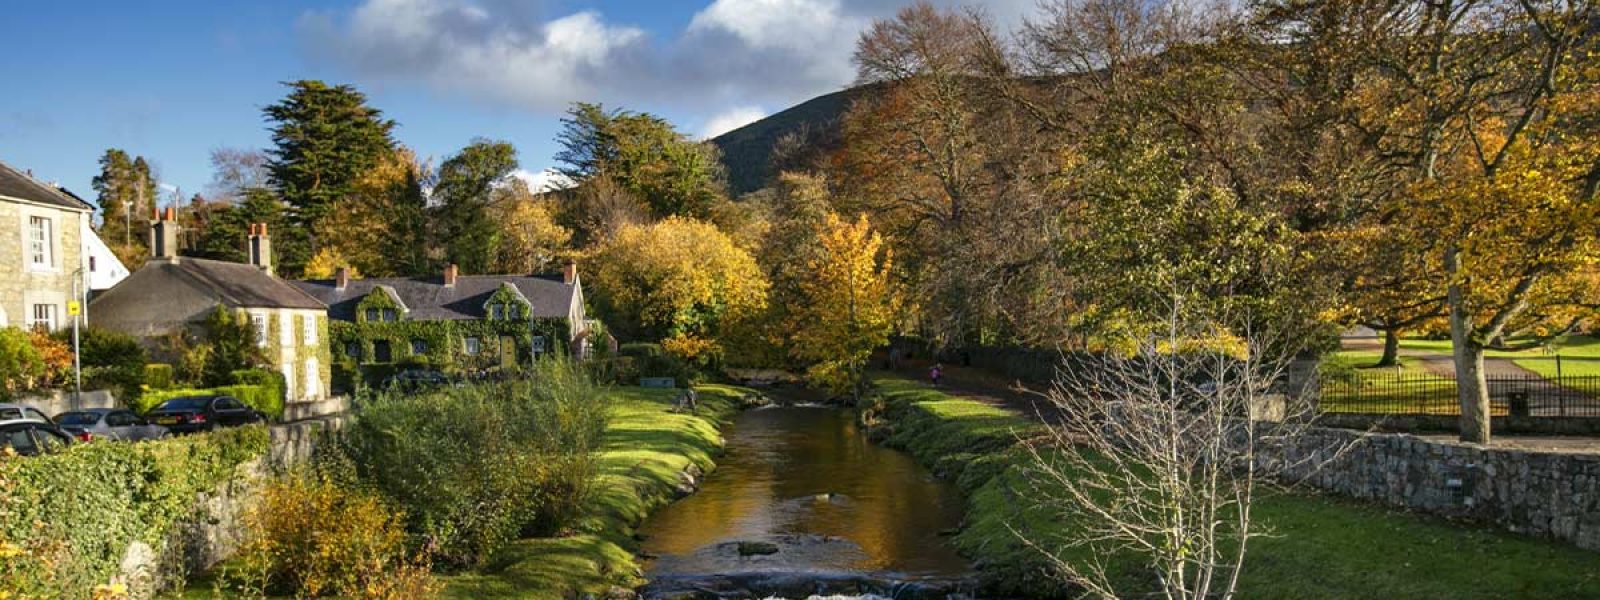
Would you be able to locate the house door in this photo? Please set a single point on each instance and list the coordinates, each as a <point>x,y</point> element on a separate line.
<point>508,352</point>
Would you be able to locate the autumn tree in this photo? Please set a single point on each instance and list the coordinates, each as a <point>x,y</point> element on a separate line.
<point>849,304</point>
<point>530,239</point>
<point>799,206</point>
<point>467,184</point>
<point>678,278</point>
<point>1484,107</point>
<point>324,138</point>
<point>382,227</point>
<point>600,208</point>
<point>645,155</point>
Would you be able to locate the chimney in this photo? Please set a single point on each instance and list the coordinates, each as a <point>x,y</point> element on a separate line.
<point>260,247</point>
<point>164,235</point>
<point>341,278</point>
<point>450,272</point>
<point>569,272</point>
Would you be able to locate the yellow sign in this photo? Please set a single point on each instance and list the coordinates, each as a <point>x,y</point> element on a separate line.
<point>73,309</point>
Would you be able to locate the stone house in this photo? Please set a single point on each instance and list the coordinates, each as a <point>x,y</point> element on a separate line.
<point>171,294</point>
<point>453,321</point>
<point>42,228</point>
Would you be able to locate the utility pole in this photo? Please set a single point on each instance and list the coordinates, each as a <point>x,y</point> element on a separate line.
<point>77,309</point>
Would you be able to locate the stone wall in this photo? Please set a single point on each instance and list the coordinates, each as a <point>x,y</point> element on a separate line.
<point>1547,494</point>
<point>55,402</point>
<point>1584,426</point>
<point>215,528</point>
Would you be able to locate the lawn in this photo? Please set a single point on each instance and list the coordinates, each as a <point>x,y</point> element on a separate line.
<point>1319,547</point>
<point>1580,355</point>
<point>647,446</point>
<point>1352,384</point>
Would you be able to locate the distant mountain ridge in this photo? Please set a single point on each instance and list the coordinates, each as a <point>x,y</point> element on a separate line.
<point>747,152</point>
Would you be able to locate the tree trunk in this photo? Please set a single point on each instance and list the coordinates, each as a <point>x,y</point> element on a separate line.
<point>1471,389</point>
<point>1391,348</point>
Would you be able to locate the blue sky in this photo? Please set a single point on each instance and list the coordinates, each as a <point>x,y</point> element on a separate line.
<point>174,79</point>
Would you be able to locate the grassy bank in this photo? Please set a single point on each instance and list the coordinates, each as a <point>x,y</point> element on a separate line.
<point>646,447</point>
<point>1318,546</point>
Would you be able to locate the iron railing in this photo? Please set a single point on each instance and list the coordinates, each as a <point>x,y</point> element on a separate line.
<point>1525,395</point>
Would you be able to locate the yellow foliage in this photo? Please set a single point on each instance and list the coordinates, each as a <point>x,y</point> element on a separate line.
<point>531,241</point>
<point>678,276</point>
<point>850,302</point>
<point>326,262</point>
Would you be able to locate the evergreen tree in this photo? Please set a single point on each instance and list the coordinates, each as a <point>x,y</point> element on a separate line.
<point>643,154</point>
<point>325,137</point>
<point>126,191</point>
<point>466,187</point>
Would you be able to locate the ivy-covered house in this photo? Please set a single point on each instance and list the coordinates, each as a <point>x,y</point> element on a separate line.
<point>172,294</point>
<point>453,321</point>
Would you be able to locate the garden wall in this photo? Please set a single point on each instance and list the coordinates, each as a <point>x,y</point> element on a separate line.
<point>1549,494</point>
<point>1584,426</point>
<point>55,402</point>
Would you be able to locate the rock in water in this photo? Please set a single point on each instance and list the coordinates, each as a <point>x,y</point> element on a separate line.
<point>757,548</point>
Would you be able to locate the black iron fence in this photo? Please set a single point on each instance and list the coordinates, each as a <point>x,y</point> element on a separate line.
<point>1528,395</point>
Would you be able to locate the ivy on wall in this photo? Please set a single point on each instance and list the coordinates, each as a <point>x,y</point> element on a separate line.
<point>444,342</point>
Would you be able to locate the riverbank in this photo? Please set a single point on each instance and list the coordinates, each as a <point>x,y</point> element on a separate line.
<point>648,450</point>
<point>1318,547</point>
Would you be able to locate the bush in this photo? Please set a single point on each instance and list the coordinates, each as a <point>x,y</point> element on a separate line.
<point>69,516</point>
<point>312,537</point>
<point>159,376</point>
<point>524,471</point>
<point>650,360</point>
<point>265,398</point>
<point>20,362</point>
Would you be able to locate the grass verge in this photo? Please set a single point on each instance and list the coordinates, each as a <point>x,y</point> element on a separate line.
<point>646,447</point>
<point>1317,547</point>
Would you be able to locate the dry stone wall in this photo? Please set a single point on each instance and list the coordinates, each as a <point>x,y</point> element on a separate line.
<point>1542,493</point>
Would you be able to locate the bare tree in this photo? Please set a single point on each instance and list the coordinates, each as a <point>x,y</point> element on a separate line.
<point>1156,460</point>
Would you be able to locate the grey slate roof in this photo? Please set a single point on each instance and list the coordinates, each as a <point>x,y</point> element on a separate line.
<point>234,284</point>
<point>17,184</point>
<point>429,300</point>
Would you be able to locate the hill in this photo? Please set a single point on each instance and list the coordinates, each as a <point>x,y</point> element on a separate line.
<point>748,151</point>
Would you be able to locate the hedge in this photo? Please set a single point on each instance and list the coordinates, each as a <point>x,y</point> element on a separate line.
<point>67,518</point>
<point>260,389</point>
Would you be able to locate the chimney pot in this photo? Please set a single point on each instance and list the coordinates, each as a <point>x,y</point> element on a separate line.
<point>450,272</point>
<point>260,247</point>
<point>569,272</point>
<point>341,278</point>
<point>172,214</point>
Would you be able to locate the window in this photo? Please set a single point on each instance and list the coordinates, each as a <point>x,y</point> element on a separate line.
<point>372,315</point>
<point>419,346</point>
<point>381,352</point>
<point>259,322</point>
<point>389,316</point>
<point>286,331</point>
<point>313,379</point>
<point>309,322</point>
<point>353,350</point>
<point>44,317</point>
<point>473,345</point>
<point>39,243</point>
<point>227,403</point>
<point>91,264</point>
<point>497,312</point>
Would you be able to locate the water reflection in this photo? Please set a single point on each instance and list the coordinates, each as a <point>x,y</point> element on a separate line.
<point>807,480</point>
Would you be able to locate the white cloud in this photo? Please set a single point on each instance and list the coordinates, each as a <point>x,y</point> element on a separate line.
<point>547,180</point>
<point>730,120</point>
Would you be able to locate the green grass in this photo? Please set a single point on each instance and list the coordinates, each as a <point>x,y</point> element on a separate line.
<point>1580,354</point>
<point>1352,384</point>
<point>1318,546</point>
<point>647,446</point>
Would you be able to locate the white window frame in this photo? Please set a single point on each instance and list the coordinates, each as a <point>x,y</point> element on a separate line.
<point>41,243</point>
<point>313,378</point>
<point>472,345</point>
<point>45,315</point>
<point>260,323</point>
<point>309,329</point>
<point>286,331</point>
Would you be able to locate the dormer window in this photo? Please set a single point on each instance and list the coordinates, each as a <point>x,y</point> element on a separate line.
<point>497,312</point>
<point>372,315</point>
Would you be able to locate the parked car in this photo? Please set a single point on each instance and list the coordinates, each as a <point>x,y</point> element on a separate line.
<point>12,412</point>
<point>109,423</point>
<point>202,413</point>
<point>31,436</point>
<point>415,379</point>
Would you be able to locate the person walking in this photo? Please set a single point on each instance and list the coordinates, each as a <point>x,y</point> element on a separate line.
<point>936,373</point>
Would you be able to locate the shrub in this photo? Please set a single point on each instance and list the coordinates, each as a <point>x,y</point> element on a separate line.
<point>20,362</point>
<point>67,517</point>
<point>265,398</point>
<point>525,470</point>
<point>159,376</point>
<point>56,356</point>
<point>310,536</point>
<point>232,346</point>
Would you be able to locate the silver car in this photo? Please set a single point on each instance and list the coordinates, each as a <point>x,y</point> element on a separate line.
<point>109,423</point>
